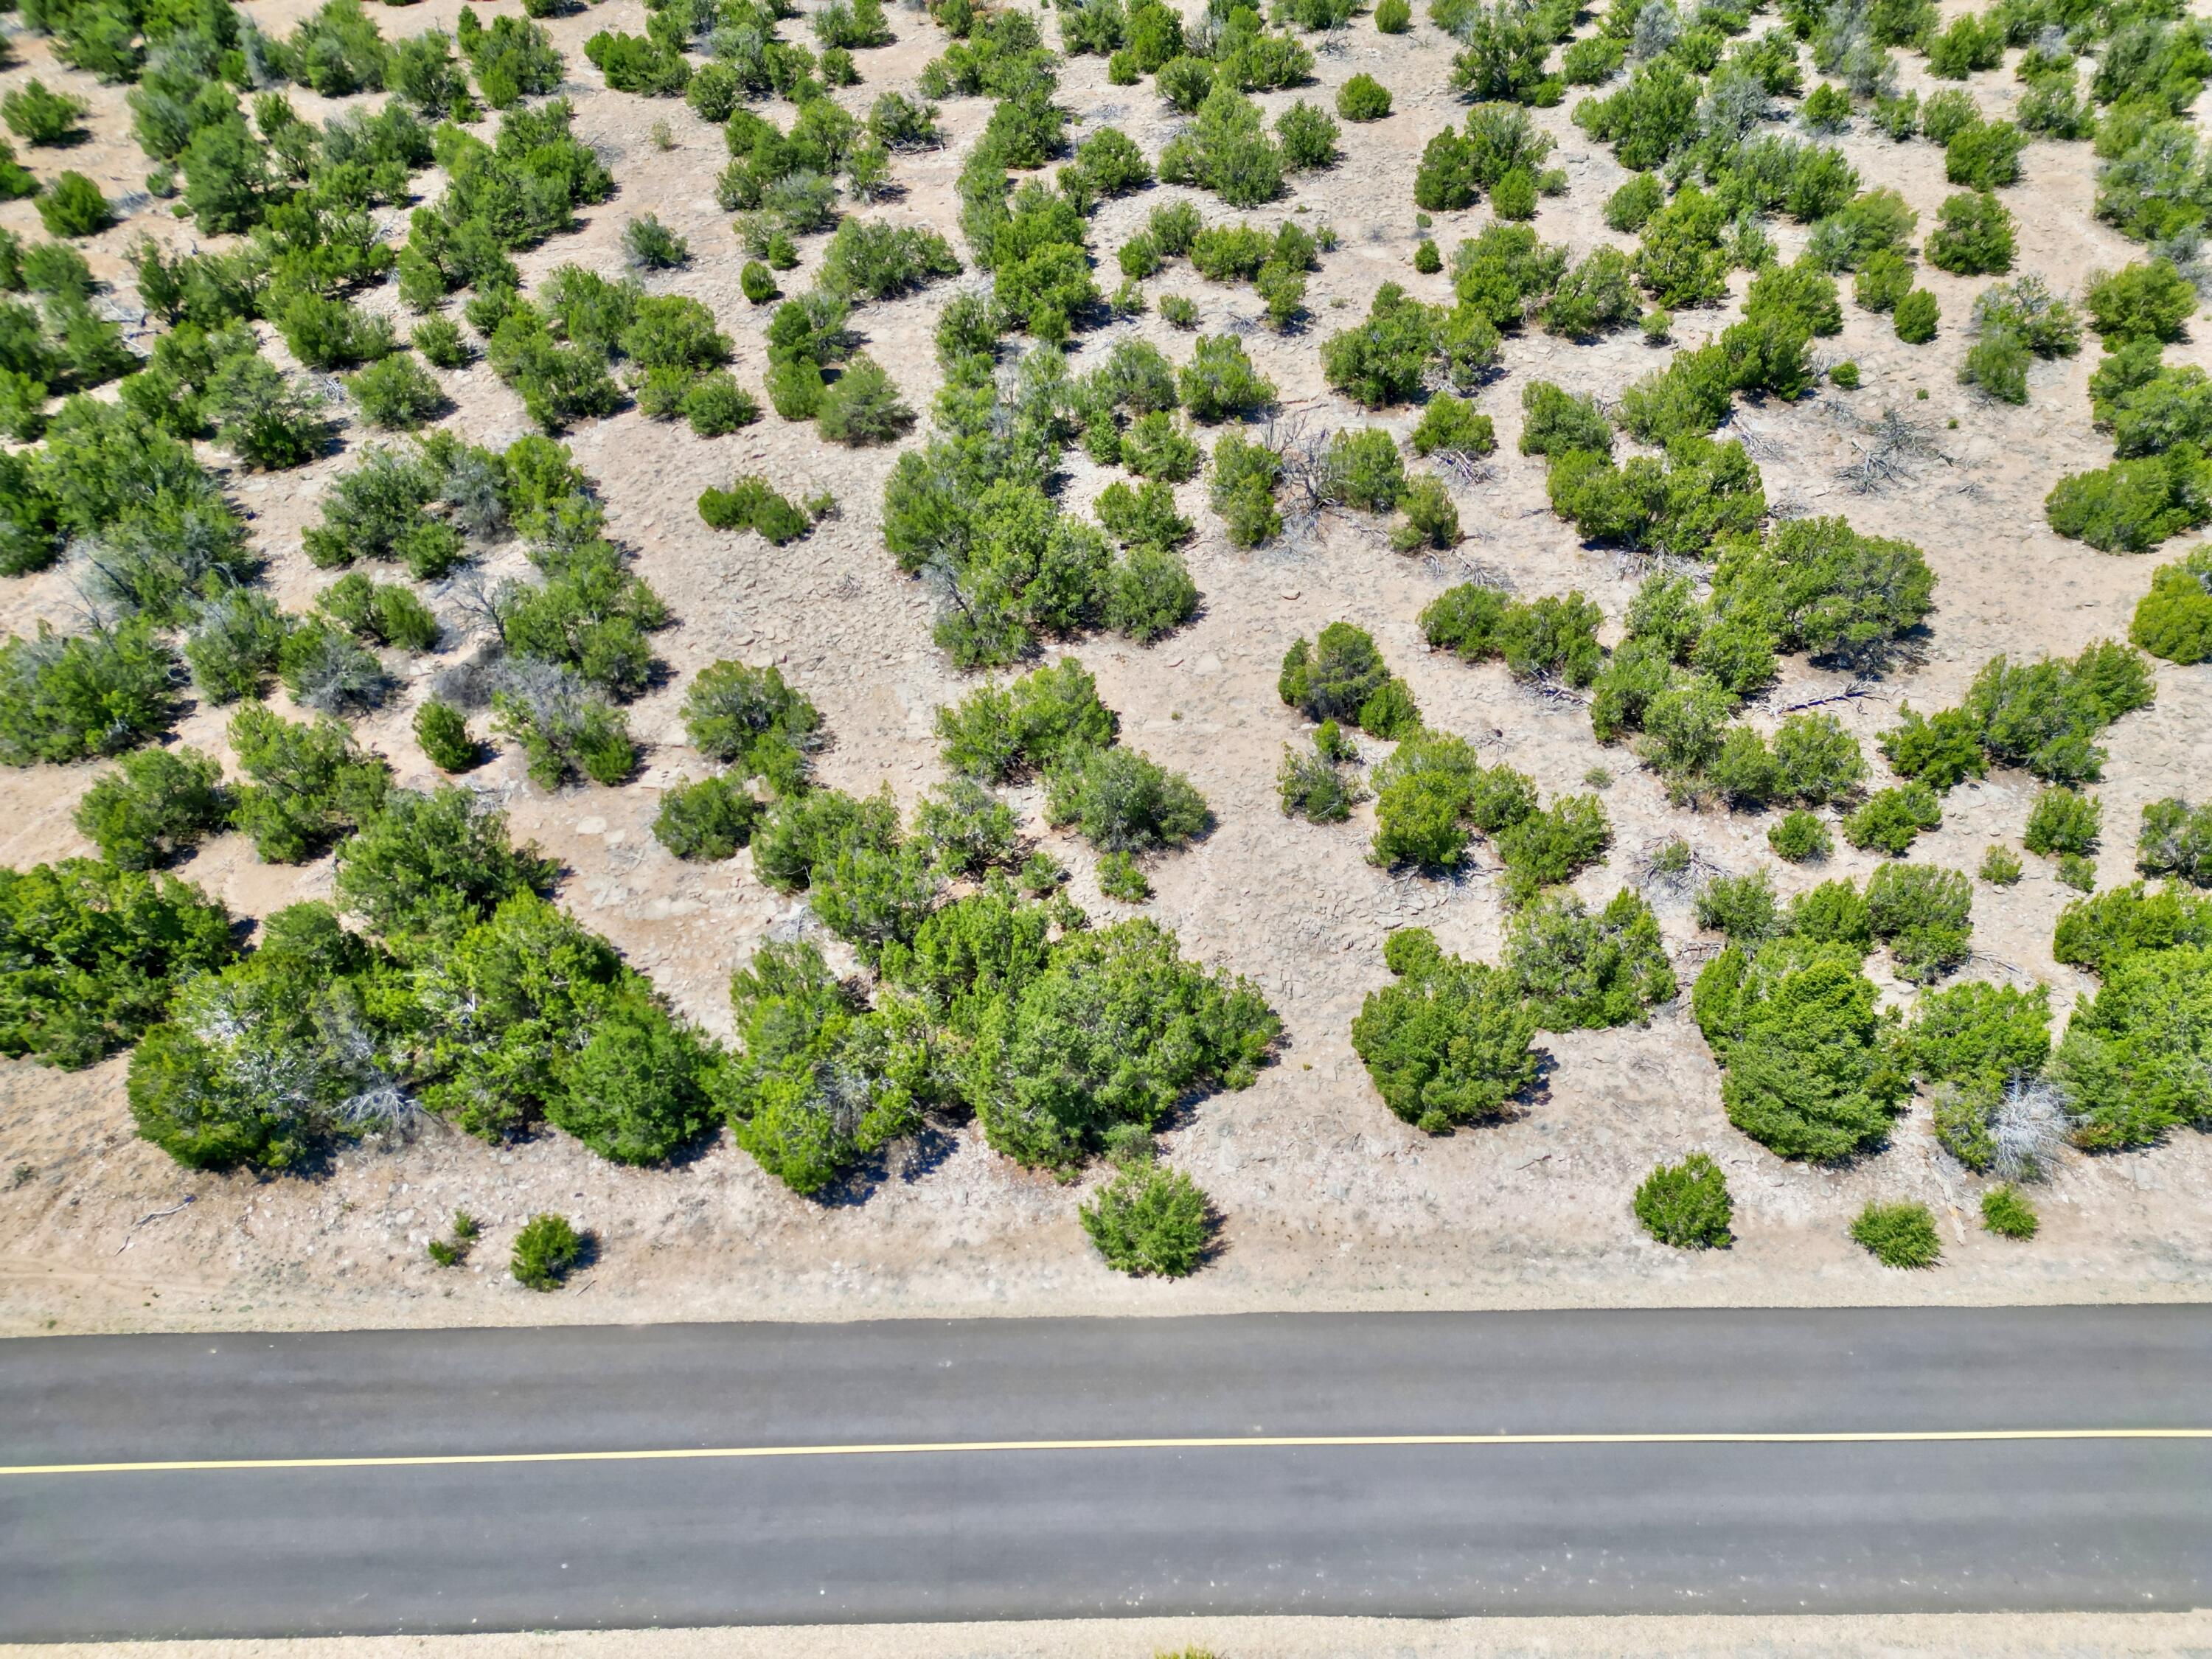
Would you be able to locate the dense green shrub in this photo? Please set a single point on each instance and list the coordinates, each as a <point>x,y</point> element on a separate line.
<point>1338,677</point>
<point>1362,98</point>
<point>546,1248</point>
<point>1807,1067</point>
<point>2175,841</point>
<point>750,719</point>
<point>1121,801</point>
<point>1687,1204</point>
<point>39,115</point>
<point>2008,1214</point>
<point>1915,318</point>
<point>1150,1220</point>
<point>2095,933</point>
<point>1891,819</point>
<point>1973,236</point>
<point>1924,915</point>
<point>1898,1234</point>
<point>1446,1043</point>
<point>93,954</point>
<point>68,697</point>
<point>1824,589</point>
<point>306,785</point>
<point>396,393</point>
<point>157,803</point>
<point>442,730</point>
<point>2134,1057</point>
<point>425,868</point>
<point>1046,718</point>
<point>1219,383</point>
<point>752,503</point>
<point>1799,837</point>
<point>73,206</point>
<point>2132,506</point>
<point>1580,971</point>
<point>709,820</point>
<point>2062,821</point>
<point>2142,301</point>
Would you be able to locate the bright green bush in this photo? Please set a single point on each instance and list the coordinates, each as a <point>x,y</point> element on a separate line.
<point>1973,236</point>
<point>1799,837</point>
<point>68,697</point>
<point>1121,801</point>
<point>1584,972</point>
<point>708,820</point>
<point>546,1250</point>
<point>94,954</point>
<point>2062,821</point>
<point>1924,915</point>
<point>1362,98</point>
<point>73,206</point>
<point>1447,1044</point>
<point>1150,1220</point>
<point>443,732</point>
<point>1892,818</point>
<point>156,803</point>
<point>1687,1204</point>
<point>1898,1234</point>
<point>2006,1212</point>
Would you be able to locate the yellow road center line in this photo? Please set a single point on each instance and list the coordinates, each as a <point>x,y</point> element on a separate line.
<point>1208,1443</point>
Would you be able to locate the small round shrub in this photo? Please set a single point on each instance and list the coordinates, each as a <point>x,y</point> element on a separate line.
<point>716,404</point>
<point>157,803</point>
<point>2008,1214</point>
<point>1800,838</point>
<point>396,393</point>
<point>863,408</point>
<point>651,245</point>
<point>758,282</point>
<point>1915,317</point>
<point>1973,236</point>
<point>443,732</point>
<point>1426,259</point>
<point>73,207</point>
<point>546,1248</point>
<point>1120,877</point>
<point>1150,1220</point>
<point>1362,98</point>
<point>2001,867</point>
<point>1309,135</point>
<point>2077,872</point>
<point>710,819</point>
<point>1179,311</point>
<point>1846,375</point>
<point>1898,1234</point>
<point>1393,16</point>
<point>439,340</point>
<point>1514,196</point>
<point>1687,1204</point>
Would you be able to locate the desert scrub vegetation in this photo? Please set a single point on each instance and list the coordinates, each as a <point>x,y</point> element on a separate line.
<point>1341,676</point>
<point>2041,716</point>
<point>1448,1043</point>
<point>1687,1204</point>
<point>1898,1234</point>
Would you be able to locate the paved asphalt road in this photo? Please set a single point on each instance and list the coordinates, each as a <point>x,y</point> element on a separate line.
<point>1610,1527</point>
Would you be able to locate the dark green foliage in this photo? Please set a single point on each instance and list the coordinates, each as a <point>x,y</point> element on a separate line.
<point>862,408</point>
<point>1448,1044</point>
<point>1898,1234</point>
<point>750,719</point>
<point>1121,801</point>
<point>2000,867</point>
<point>1339,677</point>
<point>1454,426</point>
<point>1687,1204</point>
<point>1993,1033</point>
<point>2095,933</point>
<point>1245,473</point>
<point>873,261</point>
<point>1742,907</point>
<point>1808,1070</point>
<point>396,393</point>
<point>157,803</point>
<point>1219,382</point>
<point>1701,492</point>
<point>235,645</point>
<point>1548,636</point>
<point>424,869</point>
<point>1551,848</point>
<point>1594,299</point>
<point>1226,150</point>
<point>1122,877</point>
<point>2174,619</point>
<point>1555,422</point>
<point>2041,716</point>
<point>2134,1055</point>
<point>1151,1221</point>
<point>443,732</point>
<point>92,953</point>
<point>1984,157</point>
<point>439,340</point>
<point>1821,587</point>
<point>1584,972</point>
<point>265,417</point>
<point>546,1248</point>
<point>68,697</point>
<point>1974,236</point>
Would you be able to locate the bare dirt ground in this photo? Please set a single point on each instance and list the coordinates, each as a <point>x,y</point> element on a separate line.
<point>1328,1201</point>
<point>1995,1636</point>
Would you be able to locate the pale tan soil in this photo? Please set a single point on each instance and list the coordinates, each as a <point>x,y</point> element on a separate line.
<point>1328,1201</point>
<point>1982,1636</point>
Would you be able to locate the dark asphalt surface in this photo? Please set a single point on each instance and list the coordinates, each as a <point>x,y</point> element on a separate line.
<point>1892,1526</point>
